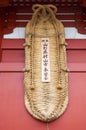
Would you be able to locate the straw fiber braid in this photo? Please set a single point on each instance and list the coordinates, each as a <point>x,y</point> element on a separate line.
<point>45,101</point>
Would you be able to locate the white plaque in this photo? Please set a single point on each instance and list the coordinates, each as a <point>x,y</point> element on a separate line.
<point>45,60</point>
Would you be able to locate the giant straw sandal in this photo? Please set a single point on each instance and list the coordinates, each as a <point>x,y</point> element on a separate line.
<point>45,72</point>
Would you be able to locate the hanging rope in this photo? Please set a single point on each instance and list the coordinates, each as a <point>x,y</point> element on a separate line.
<point>47,12</point>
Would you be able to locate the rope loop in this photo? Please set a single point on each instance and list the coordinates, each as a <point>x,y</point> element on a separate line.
<point>44,7</point>
<point>52,7</point>
<point>40,9</point>
<point>36,7</point>
<point>46,12</point>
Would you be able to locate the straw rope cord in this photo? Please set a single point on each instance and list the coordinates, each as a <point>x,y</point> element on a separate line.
<point>44,14</point>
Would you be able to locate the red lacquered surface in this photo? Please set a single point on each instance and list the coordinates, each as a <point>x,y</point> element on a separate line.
<point>4,3</point>
<point>13,115</point>
<point>84,3</point>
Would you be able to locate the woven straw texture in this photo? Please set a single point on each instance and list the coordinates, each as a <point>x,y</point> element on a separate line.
<point>45,101</point>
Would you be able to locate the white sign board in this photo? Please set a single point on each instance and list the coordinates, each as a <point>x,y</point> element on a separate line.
<point>45,60</point>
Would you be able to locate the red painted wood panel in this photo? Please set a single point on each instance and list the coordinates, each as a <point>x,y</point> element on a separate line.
<point>18,67</point>
<point>73,56</point>
<point>13,115</point>
<point>18,44</point>
<point>12,56</point>
<point>13,51</point>
<point>76,56</point>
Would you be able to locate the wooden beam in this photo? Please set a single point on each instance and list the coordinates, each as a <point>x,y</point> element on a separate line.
<point>1,31</point>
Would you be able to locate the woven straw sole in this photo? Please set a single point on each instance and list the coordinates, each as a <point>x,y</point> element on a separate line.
<point>45,101</point>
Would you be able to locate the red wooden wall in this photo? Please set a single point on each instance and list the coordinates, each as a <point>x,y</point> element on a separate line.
<point>13,115</point>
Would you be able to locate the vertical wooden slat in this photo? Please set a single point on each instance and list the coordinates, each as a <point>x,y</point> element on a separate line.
<point>1,30</point>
